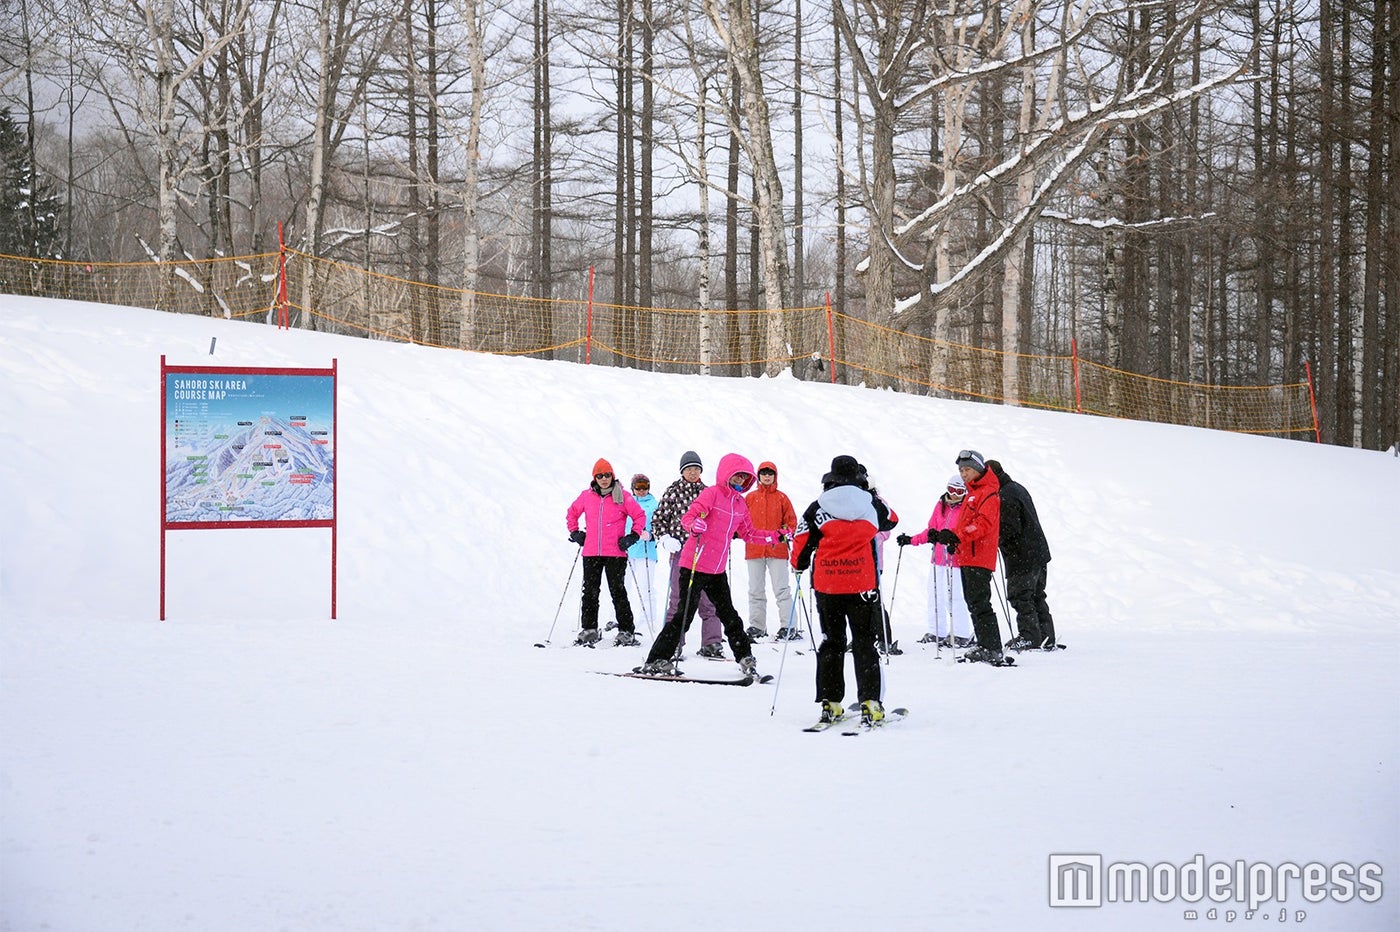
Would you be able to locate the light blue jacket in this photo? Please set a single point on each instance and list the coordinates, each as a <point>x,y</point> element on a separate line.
<point>643,549</point>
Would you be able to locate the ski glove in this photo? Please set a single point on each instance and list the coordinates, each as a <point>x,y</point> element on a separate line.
<point>578,537</point>
<point>945,537</point>
<point>903,540</point>
<point>627,540</point>
<point>699,527</point>
<point>669,544</point>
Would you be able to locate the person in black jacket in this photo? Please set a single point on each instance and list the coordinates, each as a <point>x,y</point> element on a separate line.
<point>1026,553</point>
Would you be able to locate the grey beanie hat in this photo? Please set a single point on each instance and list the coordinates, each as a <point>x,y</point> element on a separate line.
<point>690,458</point>
<point>971,458</point>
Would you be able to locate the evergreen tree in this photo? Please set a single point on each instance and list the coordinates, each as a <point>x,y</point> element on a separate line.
<point>29,205</point>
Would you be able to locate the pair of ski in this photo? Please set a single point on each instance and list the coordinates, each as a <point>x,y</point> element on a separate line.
<point>854,726</point>
<point>678,677</point>
<point>1007,660</point>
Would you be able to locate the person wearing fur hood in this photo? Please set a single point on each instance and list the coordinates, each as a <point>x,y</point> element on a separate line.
<point>716,516</point>
<point>605,507</point>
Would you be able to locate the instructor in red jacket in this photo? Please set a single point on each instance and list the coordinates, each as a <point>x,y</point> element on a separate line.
<point>974,539</point>
<point>836,538</point>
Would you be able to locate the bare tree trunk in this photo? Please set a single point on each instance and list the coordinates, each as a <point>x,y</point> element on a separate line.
<point>468,336</point>
<point>1390,378</point>
<point>703,170</point>
<point>735,25</point>
<point>645,297</point>
<point>799,274</point>
<point>1325,368</point>
<point>1373,248</point>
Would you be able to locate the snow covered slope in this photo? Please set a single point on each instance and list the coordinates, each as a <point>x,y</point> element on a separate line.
<point>1231,603</point>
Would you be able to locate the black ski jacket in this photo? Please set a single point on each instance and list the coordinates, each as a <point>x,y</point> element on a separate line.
<point>1023,544</point>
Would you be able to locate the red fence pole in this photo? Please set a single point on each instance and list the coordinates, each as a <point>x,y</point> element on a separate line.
<point>588,340</point>
<point>1078,401</point>
<point>830,340</point>
<point>1312,399</point>
<point>163,455</point>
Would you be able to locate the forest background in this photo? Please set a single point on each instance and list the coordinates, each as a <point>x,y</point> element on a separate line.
<point>1202,192</point>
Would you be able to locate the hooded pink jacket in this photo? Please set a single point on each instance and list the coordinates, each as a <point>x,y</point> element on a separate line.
<point>726,516</point>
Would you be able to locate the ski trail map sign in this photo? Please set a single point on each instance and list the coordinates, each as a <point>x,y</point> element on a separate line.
<point>247,448</point>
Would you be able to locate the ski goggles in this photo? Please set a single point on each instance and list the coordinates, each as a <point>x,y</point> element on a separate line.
<point>971,458</point>
<point>641,486</point>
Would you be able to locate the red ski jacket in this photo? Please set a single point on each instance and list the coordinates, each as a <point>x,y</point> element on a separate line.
<point>836,537</point>
<point>979,523</point>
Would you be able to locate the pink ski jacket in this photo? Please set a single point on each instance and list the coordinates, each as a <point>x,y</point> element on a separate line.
<point>945,515</point>
<point>605,519</point>
<point>726,516</point>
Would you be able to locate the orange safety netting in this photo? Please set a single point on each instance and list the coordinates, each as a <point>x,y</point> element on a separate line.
<point>333,296</point>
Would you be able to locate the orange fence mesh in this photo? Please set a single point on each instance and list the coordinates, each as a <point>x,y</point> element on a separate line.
<point>341,298</point>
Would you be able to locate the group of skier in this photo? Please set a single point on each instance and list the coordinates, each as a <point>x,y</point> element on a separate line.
<point>838,537</point>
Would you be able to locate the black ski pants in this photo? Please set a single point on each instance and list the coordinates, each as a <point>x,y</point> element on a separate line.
<point>593,570</point>
<point>862,611</point>
<point>977,593</point>
<point>1025,590</point>
<point>692,586</point>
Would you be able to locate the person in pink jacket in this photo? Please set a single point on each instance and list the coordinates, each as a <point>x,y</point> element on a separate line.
<point>717,516</point>
<point>945,595</point>
<point>605,507</point>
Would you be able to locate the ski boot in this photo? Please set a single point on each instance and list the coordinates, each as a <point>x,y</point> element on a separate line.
<point>871,712</point>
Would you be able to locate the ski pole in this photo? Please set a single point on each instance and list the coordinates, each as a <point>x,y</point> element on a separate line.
<point>938,654</point>
<point>651,593</point>
<point>685,610</point>
<point>1004,609</point>
<point>887,625</point>
<point>562,596</point>
<point>792,615</point>
<point>807,615</point>
<point>948,604</point>
<point>894,590</point>
<point>646,615</point>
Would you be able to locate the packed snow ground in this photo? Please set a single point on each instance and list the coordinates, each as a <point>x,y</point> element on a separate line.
<point>1230,690</point>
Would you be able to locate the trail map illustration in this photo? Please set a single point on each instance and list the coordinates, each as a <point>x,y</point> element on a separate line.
<point>249,447</point>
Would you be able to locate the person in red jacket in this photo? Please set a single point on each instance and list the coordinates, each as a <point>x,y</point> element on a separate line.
<point>771,510</point>
<point>974,540</point>
<point>836,538</point>
<point>605,507</point>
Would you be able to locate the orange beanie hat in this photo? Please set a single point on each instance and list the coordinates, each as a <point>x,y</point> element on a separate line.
<point>602,466</point>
